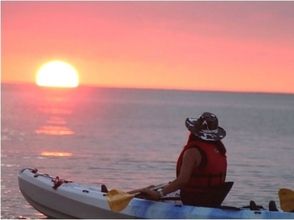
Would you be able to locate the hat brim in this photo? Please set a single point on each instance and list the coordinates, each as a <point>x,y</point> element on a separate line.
<point>207,135</point>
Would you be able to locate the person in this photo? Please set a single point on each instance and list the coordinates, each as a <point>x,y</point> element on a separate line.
<point>201,166</point>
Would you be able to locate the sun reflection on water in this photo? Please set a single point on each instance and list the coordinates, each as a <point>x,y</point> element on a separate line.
<point>56,121</point>
<point>57,106</point>
<point>54,130</point>
<point>55,154</point>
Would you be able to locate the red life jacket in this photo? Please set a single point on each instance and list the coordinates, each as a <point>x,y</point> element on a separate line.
<point>212,169</point>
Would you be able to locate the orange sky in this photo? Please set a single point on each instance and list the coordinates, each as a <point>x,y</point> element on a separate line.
<point>232,46</point>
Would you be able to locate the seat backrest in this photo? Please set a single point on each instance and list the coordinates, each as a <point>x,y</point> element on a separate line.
<point>222,191</point>
<point>209,197</point>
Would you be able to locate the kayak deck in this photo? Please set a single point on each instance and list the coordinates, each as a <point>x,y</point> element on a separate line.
<point>57,198</point>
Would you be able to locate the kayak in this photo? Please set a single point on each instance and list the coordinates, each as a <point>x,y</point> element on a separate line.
<point>58,198</point>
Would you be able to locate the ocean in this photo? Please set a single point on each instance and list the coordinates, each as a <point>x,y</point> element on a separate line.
<point>131,138</point>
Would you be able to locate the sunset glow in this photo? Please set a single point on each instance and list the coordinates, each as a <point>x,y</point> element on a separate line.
<point>244,46</point>
<point>57,74</point>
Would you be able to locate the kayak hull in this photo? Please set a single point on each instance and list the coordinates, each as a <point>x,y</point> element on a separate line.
<point>72,200</point>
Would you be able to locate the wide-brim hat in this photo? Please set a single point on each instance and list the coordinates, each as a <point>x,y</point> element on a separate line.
<point>205,127</point>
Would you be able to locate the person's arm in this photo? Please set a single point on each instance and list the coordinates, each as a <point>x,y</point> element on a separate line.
<point>191,158</point>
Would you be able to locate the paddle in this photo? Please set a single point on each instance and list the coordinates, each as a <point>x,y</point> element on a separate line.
<point>286,197</point>
<point>118,200</point>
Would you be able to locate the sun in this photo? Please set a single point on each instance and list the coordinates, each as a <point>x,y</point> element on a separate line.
<point>57,73</point>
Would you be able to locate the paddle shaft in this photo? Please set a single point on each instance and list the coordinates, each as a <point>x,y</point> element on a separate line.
<point>137,191</point>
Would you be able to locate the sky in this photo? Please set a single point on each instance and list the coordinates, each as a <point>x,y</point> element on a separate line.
<point>216,46</point>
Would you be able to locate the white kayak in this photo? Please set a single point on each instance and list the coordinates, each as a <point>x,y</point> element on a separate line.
<point>58,198</point>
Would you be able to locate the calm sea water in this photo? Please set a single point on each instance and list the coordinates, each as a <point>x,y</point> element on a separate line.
<point>129,138</point>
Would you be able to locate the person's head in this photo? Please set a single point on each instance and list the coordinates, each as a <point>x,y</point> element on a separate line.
<point>205,127</point>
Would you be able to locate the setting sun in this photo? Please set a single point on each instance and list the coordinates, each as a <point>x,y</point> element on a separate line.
<point>57,74</point>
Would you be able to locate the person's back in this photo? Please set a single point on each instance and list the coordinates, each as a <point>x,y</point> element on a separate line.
<point>209,175</point>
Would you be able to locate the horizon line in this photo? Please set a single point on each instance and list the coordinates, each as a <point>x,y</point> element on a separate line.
<point>15,83</point>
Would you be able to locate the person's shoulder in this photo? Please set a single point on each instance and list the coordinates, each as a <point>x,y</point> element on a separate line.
<point>193,150</point>
<point>193,155</point>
